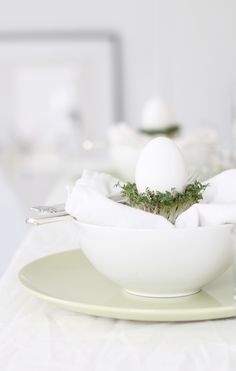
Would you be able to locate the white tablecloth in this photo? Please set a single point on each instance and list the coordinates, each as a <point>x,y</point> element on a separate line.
<point>37,336</point>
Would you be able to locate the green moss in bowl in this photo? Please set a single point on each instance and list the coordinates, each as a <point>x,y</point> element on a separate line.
<point>169,204</point>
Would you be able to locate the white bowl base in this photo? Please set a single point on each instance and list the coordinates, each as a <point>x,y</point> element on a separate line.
<point>136,293</point>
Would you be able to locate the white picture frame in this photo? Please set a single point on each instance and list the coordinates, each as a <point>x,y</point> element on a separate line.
<point>29,61</point>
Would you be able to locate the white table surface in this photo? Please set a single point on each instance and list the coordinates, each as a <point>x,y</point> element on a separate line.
<point>35,335</point>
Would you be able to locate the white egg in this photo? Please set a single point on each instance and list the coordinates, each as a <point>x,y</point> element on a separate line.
<point>160,167</point>
<point>156,114</point>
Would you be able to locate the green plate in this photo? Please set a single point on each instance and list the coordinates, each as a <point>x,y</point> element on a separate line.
<point>68,279</point>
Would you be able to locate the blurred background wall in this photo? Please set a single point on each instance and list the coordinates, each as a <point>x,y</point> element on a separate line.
<point>183,50</point>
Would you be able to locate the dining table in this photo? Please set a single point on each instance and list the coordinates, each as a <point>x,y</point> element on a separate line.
<point>36,335</point>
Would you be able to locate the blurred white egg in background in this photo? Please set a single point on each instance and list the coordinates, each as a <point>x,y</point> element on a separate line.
<point>156,114</point>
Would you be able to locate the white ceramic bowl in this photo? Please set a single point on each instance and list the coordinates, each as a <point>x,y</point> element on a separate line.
<point>157,263</point>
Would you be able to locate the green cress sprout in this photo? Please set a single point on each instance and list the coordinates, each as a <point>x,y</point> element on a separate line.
<point>169,204</point>
<point>170,131</point>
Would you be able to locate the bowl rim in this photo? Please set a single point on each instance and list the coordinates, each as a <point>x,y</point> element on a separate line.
<point>162,230</point>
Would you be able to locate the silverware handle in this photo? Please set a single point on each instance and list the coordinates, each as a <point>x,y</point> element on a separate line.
<point>51,209</point>
<point>47,220</point>
<point>59,209</point>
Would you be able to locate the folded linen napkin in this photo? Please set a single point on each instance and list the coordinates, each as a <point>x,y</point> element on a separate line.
<point>200,215</point>
<point>218,205</point>
<point>89,202</point>
<point>222,188</point>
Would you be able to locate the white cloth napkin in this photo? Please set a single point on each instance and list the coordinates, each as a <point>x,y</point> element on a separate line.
<point>218,205</point>
<point>89,203</point>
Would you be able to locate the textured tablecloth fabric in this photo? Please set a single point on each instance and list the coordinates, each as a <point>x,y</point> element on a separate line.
<point>36,336</point>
